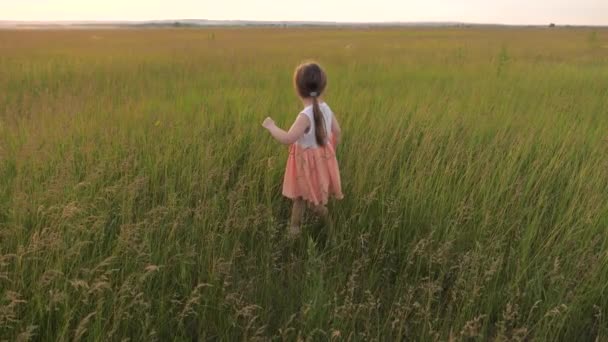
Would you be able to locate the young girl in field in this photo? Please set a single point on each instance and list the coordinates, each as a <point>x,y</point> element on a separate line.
<point>312,173</point>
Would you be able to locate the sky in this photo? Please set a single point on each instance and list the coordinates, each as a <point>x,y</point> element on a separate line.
<point>561,12</point>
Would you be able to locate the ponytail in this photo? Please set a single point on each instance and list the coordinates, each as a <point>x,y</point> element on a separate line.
<point>320,133</point>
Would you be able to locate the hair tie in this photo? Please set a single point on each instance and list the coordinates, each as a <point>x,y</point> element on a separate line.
<point>313,94</point>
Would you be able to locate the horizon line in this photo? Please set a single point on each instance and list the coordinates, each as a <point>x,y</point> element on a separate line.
<point>218,21</point>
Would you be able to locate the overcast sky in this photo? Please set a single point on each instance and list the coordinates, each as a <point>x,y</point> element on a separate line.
<point>575,12</point>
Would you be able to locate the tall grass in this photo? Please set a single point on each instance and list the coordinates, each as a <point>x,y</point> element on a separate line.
<point>140,197</point>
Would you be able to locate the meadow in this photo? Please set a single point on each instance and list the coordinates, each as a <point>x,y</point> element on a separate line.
<point>140,198</point>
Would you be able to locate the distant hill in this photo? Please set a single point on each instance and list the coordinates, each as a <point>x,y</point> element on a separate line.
<point>203,22</point>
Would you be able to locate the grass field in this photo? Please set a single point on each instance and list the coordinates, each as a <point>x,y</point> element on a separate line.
<point>140,196</point>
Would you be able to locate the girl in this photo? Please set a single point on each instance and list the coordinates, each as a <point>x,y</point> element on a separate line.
<point>312,172</point>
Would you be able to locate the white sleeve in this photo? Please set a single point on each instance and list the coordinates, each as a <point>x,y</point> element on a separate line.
<point>310,115</point>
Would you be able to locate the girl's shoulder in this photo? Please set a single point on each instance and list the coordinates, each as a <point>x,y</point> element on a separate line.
<point>323,105</point>
<point>326,109</point>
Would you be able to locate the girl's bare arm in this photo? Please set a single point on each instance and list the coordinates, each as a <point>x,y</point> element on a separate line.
<point>295,132</point>
<point>335,129</point>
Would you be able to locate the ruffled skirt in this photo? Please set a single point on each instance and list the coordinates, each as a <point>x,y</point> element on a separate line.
<point>312,174</point>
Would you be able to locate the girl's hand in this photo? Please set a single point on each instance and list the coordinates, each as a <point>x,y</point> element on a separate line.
<point>268,122</point>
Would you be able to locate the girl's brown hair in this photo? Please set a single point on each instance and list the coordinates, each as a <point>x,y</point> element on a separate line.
<point>310,80</point>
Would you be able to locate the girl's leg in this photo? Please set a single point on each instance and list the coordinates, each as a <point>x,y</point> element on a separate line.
<point>321,211</point>
<point>297,212</point>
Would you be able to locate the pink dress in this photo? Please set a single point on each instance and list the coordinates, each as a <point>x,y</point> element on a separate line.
<point>312,172</point>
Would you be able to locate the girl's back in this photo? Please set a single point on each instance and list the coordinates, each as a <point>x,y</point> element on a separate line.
<point>308,140</point>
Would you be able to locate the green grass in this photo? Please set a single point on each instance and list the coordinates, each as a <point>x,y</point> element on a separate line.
<point>140,196</point>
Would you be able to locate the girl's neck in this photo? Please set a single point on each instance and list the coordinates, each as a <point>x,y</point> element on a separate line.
<point>308,101</point>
